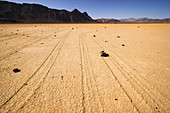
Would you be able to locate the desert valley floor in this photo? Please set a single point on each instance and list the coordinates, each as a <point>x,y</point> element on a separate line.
<point>60,69</point>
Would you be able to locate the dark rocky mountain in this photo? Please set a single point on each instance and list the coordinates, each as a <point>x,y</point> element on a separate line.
<point>35,13</point>
<point>104,20</point>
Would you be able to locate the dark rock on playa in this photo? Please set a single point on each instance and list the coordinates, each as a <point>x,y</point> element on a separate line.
<point>16,70</point>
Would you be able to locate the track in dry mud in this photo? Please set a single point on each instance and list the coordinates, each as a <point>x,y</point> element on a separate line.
<point>70,76</point>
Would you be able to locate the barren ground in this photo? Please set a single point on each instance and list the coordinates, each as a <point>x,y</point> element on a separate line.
<point>62,71</point>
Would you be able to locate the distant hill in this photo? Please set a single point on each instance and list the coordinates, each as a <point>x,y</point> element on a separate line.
<point>104,20</point>
<point>134,20</point>
<point>35,13</point>
<point>144,20</point>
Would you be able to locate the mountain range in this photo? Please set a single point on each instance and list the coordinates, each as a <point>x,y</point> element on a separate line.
<point>34,13</point>
<point>104,20</point>
<point>134,20</point>
<point>145,20</point>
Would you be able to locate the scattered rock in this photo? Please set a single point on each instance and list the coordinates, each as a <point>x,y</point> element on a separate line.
<point>27,36</point>
<point>123,44</point>
<point>25,84</point>
<point>94,35</point>
<point>16,70</point>
<point>105,41</point>
<point>138,26</point>
<point>61,77</point>
<point>116,99</point>
<point>17,30</point>
<point>156,107</point>
<point>118,36</point>
<point>103,54</point>
<point>55,35</point>
<point>35,26</point>
<point>6,43</point>
<point>16,33</point>
<point>72,28</point>
<point>41,43</point>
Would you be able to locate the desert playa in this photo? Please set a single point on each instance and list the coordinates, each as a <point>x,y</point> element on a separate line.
<point>58,68</point>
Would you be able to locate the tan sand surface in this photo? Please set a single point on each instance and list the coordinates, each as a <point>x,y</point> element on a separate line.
<point>62,71</point>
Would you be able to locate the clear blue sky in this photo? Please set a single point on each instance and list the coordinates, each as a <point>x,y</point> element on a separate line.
<point>118,9</point>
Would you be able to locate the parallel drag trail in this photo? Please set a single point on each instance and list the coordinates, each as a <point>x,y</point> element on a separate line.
<point>134,73</point>
<point>50,64</point>
<point>82,75</point>
<point>144,91</point>
<point>87,71</point>
<point>22,47</point>
<point>48,61</point>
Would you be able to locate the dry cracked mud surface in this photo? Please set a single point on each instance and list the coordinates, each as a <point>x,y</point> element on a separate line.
<point>58,68</point>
